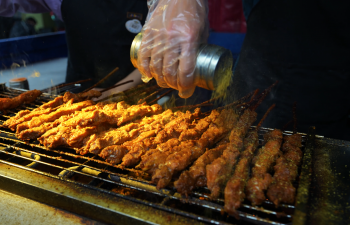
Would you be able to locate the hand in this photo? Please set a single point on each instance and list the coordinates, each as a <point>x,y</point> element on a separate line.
<point>171,37</point>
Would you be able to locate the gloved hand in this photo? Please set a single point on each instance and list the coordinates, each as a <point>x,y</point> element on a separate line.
<point>173,31</point>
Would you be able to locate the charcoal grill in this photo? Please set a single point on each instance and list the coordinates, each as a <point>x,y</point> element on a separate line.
<point>89,186</point>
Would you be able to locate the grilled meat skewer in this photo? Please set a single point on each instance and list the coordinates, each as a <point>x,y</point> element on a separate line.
<point>109,114</point>
<point>177,128</point>
<point>281,188</point>
<point>220,170</point>
<point>196,175</point>
<point>235,187</point>
<point>261,179</point>
<point>67,109</point>
<point>26,115</point>
<point>156,157</point>
<point>179,160</point>
<point>24,98</point>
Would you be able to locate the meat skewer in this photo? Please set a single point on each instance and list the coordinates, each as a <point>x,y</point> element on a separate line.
<point>128,132</point>
<point>112,116</point>
<point>24,98</point>
<point>196,176</point>
<point>179,160</point>
<point>235,187</point>
<point>263,162</point>
<point>26,115</point>
<point>220,170</point>
<point>114,154</point>
<point>155,157</point>
<point>281,188</point>
<point>67,109</point>
<point>174,129</point>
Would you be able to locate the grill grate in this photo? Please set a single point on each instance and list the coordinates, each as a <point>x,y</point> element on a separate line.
<point>91,171</point>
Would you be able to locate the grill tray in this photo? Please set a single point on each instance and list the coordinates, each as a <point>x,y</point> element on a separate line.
<point>91,173</point>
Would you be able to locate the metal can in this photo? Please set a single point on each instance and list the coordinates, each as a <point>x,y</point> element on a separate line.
<point>213,64</point>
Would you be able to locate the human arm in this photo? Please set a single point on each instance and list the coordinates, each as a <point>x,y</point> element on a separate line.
<point>9,7</point>
<point>171,36</point>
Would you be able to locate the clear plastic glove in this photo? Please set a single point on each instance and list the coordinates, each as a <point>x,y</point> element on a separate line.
<point>173,31</point>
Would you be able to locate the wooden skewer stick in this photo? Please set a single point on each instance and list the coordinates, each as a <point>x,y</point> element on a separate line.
<point>295,118</point>
<point>149,96</point>
<point>155,100</point>
<point>264,117</point>
<point>116,85</point>
<point>76,82</point>
<point>101,81</point>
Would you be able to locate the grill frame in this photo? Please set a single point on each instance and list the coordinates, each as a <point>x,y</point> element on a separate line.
<point>126,181</point>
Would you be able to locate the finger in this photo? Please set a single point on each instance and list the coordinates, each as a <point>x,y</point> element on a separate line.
<point>144,54</point>
<point>156,63</point>
<point>187,64</point>
<point>170,66</point>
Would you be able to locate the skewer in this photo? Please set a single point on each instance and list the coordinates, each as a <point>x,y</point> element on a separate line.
<point>263,95</point>
<point>155,100</point>
<point>235,187</point>
<point>101,81</point>
<point>206,103</point>
<point>295,118</point>
<point>265,115</point>
<point>116,85</point>
<point>149,96</point>
<point>68,84</point>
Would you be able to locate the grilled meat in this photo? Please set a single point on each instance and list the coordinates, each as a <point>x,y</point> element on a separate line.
<point>148,130</point>
<point>196,176</point>
<point>179,160</point>
<point>265,159</point>
<point>123,134</point>
<point>24,98</point>
<point>81,96</point>
<point>286,170</point>
<point>93,118</point>
<point>234,191</point>
<point>177,128</point>
<point>220,170</point>
<point>155,158</point>
<point>67,109</point>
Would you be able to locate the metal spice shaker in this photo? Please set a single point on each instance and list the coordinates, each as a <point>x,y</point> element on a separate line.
<point>212,65</point>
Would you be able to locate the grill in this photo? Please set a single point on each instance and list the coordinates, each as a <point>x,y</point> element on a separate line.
<point>91,187</point>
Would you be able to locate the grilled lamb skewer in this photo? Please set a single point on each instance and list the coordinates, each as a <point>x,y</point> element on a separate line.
<point>67,109</point>
<point>261,179</point>
<point>91,119</point>
<point>286,169</point>
<point>234,191</point>
<point>220,170</point>
<point>36,132</point>
<point>26,115</point>
<point>155,157</point>
<point>24,98</point>
<point>281,188</point>
<point>179,160</point>
<point>99,140</point>
<point>141,131</point>
<point>137,148</point>
<point>196,176</point>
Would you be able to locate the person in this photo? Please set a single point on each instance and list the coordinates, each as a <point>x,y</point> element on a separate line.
<point>23,28</point>
<point>302,44</point>
<point>99,34</point>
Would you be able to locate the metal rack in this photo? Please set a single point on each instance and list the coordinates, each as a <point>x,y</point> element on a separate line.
<point>92,173</point>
